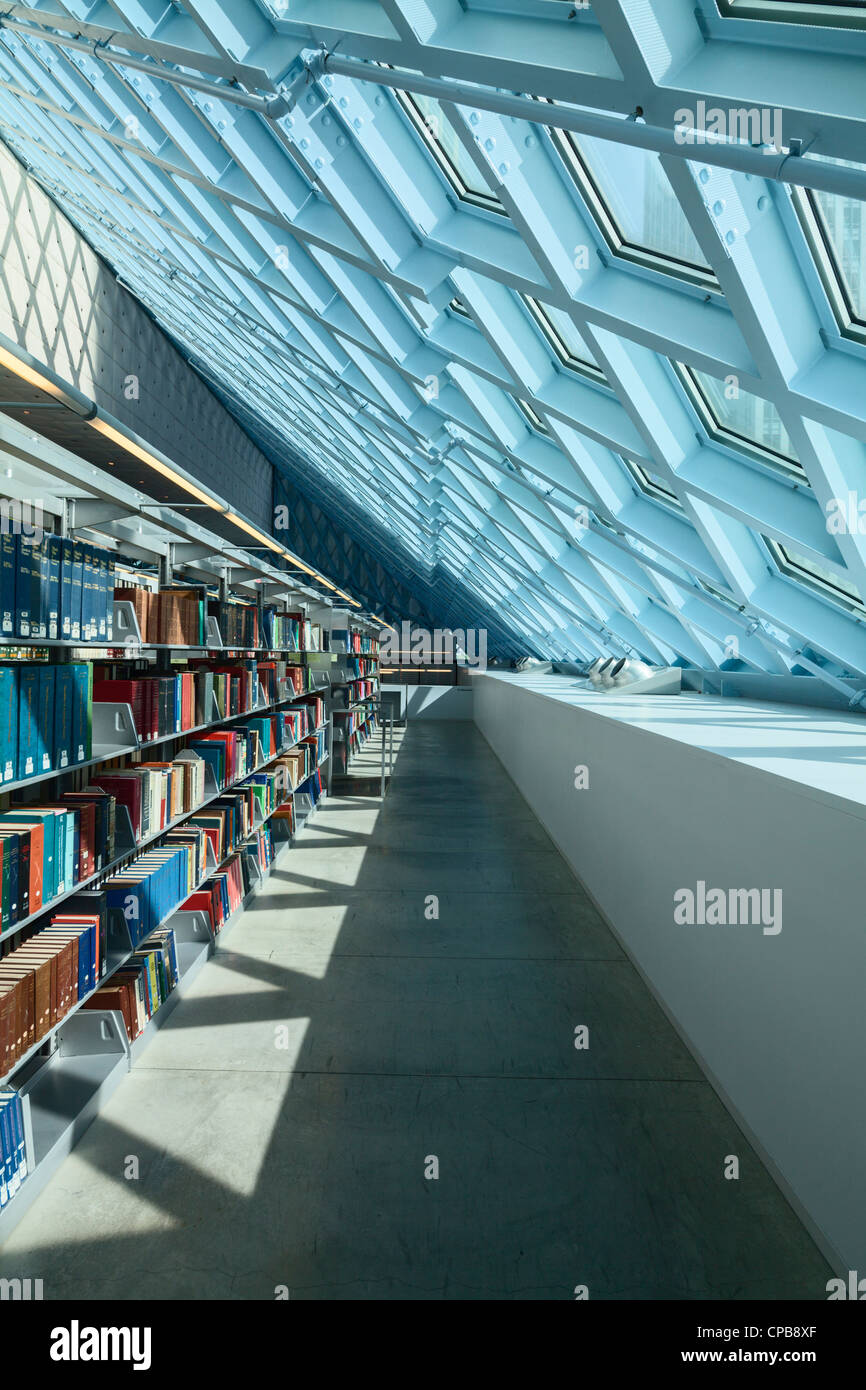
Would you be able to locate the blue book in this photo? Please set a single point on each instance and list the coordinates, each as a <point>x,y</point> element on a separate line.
<point>88,610</point>
<point>8,570</point>
<point>39,574</point>
<point>66,586</point>
<point>102,594</point>
<point>53,544</point>
<point>94,595</point>
<point>73,847</point>
<point>64,701</point>
<point>23,585</point>
<point>76,581</point>
<point>8,724</point>
<point>28,721</point>
<point>213,754</point>
<point>13,1101</point>
<point>13,1140</point>
<point>45,723</point>
<point>7,1190</point>
<point>62,853</point>
<point>81,737</point>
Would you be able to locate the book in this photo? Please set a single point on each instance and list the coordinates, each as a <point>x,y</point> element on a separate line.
<point>64,703</point>
<point>8,572</point>
<point>28,721</point>
<point>23,585</point>
<point>82,711</point>
<point>8,724</point>
<point>53,545</point>
<point>45,719</point>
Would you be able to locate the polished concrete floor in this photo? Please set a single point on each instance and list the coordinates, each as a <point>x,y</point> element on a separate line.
<point>402,998</point>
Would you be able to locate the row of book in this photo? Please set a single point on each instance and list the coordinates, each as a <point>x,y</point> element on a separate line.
<point>353,691</point>
<point>361,645</point>
<point>13,1147</point>
<point>316,706</point>
<point>45,976</point>
<point>173,704</point>
<point>53,587</point>
<point>42,979</point>
<point>357,666</point>
<point>47,849</point>
<point>156,793</point>
<point>45,719</point>
<point>313,787</point>
<point>149,889</point>
<point>143,984</point>
<point>173,616</point>
<point>228,821</point>
<point>221,895</point>
<point>282,630</point>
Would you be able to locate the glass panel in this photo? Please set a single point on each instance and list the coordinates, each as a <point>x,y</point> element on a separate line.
<point>835,13</point>
<point>564,338</point>
<point>841,221</point>
<point>652,483</point>
<point>451,154</point>
<point>827,580</point>
<point>747,416</point>
<point>535,420</point>
<point>636,195</point>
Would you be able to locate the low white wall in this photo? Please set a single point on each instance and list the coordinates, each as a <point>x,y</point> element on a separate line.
<point>777,1021</point>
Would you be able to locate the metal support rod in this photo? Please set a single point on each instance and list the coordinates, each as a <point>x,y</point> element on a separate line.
<point>390,743</point>
<point>382,720</point>
<point>152,48</point>
<point>764,161</point>
<point>106,54</point>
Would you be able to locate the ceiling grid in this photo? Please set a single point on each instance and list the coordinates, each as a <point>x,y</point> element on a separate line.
<point>596,397</point>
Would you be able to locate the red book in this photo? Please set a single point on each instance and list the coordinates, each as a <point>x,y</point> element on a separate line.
<point>201,902</point>
<point>126,790</point>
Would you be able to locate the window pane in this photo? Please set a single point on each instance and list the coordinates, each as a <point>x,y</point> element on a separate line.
<point>827,580</point>
<point>842,222</point>
<point>835,13</point>
<point>561,333</point>
<point>638,198</point>
<point>534,419</point>
<point>451,154</point>
<point>745,415</point>
<point>652,483</point>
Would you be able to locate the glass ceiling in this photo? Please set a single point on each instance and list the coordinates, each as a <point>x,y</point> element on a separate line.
<point>613,397</point>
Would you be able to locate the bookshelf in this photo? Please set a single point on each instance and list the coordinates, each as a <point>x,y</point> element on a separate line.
<point>354,686</point>
<point>68,1071</point>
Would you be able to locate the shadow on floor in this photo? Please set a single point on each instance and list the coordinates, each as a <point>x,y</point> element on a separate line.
<point>401,1000</point>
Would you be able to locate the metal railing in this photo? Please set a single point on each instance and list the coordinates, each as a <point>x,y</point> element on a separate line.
<point>386,718</point>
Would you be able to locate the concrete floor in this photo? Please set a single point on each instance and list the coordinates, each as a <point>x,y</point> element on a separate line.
<point>284,1116</point>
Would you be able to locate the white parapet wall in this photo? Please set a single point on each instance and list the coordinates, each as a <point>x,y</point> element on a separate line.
<point>649,796</point>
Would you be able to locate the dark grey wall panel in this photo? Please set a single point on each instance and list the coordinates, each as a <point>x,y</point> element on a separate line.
<point>61,302</point>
